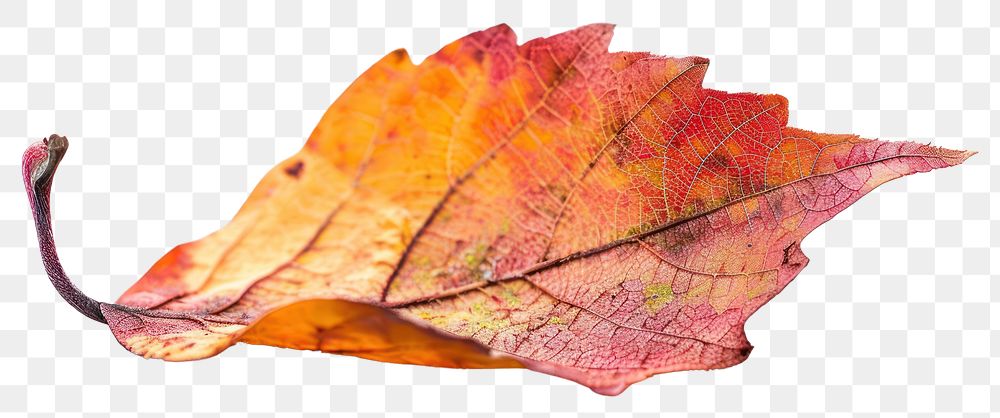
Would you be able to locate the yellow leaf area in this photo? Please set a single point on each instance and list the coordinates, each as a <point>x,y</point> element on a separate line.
<point>591,215</point>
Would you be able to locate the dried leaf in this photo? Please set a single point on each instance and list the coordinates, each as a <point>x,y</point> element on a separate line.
<point>591,215</point>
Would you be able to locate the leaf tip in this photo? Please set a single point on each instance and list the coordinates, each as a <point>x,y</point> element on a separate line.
<point>951,157</point>
<point>962,155</point>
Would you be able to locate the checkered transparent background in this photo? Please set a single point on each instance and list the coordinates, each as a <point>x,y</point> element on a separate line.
<point>176,108</point>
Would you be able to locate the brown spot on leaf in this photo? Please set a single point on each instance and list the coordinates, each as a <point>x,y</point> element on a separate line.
<point>787,254</point>
<point>295,170</point>
<point>398,54</point>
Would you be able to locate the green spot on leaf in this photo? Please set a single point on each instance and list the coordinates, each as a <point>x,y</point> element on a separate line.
<point>475,256</point>
<point>658,295</point>
<point>510,299</point>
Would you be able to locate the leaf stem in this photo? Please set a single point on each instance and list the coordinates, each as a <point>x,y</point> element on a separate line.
<point>38,168</point>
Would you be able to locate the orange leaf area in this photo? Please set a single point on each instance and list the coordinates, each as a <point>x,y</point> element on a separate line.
<point>592,215</point>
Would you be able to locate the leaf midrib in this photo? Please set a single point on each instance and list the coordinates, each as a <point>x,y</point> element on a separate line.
<point>635,238</point>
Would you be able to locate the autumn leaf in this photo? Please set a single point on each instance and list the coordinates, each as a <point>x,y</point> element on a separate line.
<point>591,215</point>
